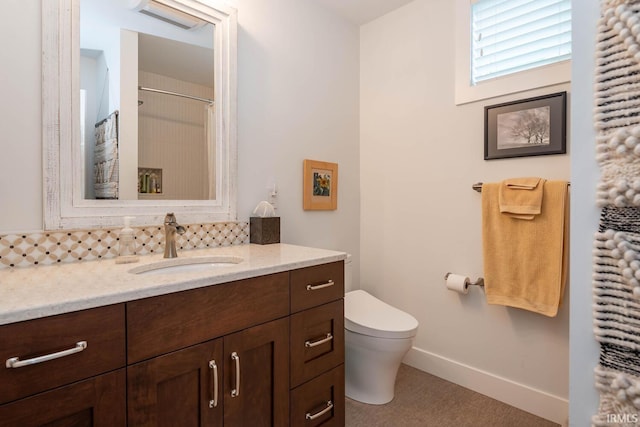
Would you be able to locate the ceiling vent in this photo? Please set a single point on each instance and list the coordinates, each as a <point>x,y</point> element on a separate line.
<point>167,14</point>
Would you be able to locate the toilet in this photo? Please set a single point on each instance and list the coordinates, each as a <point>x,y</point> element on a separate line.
<point>377,337</point>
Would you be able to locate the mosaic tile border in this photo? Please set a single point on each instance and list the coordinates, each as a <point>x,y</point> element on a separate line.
<point>52,247</point>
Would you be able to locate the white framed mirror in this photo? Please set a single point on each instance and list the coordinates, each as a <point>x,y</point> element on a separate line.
<point>142,186</point>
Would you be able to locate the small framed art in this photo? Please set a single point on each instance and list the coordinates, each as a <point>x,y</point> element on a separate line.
<point>320,185</point>
<point>528,127</point>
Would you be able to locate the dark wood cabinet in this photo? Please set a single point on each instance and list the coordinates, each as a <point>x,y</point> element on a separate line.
<point>100,329</point>
<point>317,346</point>
<point>313,286</point>
<point>256,376</point>
<point>64,370</point>
<point>170,322</point>
<point>182,388</point>
<point>317,341</point>
<point>95,402</point>
<point>264,351</point>
<point>235,335</point>
<point>238,380</point>
<point>320,402</point>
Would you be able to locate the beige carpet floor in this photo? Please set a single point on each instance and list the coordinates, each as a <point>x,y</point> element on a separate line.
<point>424,400</point>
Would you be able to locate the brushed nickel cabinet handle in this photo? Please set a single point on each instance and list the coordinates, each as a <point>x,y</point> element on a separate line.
<point>15,362</point>
<point>214,387</point>
<point>321,341</point>
<point>320,286</point>
<point>329,407</point>
<point>236,389</point>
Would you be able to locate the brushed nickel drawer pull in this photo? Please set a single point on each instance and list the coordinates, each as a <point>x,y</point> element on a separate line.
<point>15,362</point>
<point>321,286</point>
<point>329,407</point>
<point>214,376</point>
<point>321,341</point>
<point>236,389</point>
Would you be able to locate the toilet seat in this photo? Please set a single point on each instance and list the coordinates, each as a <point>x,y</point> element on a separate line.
<point>367,315</point>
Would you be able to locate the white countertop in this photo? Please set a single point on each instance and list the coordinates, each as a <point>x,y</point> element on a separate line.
<point>34,292</point>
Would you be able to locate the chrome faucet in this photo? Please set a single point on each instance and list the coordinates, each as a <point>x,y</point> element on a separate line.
<point>171,227</point>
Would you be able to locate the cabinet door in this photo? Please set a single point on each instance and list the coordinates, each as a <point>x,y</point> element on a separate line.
<point>256,375</point>
<point>95,402</point>
<point>177,389</point>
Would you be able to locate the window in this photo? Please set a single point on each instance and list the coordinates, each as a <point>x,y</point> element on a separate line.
<point>514,35</point>
<point>508,46</point>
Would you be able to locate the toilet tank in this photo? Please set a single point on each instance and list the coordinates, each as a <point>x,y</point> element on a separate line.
<point>348,274</point>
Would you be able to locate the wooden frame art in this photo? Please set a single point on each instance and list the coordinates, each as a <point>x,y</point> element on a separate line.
<point>320,185</point>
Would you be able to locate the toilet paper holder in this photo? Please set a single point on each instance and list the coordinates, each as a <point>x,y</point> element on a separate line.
<point>478,282</point>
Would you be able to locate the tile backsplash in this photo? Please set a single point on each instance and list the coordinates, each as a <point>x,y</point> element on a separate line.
<point>51,247</point>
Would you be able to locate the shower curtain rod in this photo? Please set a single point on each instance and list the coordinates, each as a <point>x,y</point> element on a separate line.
<point>166,92</point>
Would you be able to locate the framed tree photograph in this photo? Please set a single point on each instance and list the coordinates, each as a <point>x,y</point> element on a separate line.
<point>320,184</point>
<point>529,127</point>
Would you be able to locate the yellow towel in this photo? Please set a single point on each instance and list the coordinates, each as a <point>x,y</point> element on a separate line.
<point>525,262</point>
<point>521,197</point>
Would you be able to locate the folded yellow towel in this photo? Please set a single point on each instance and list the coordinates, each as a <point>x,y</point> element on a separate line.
<point>525,262</point>
<point>521,197</point>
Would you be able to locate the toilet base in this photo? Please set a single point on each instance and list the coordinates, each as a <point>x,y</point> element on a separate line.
<point>371,367</point>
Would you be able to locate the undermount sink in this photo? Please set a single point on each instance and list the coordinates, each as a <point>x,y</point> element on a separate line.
<point>187,265</point>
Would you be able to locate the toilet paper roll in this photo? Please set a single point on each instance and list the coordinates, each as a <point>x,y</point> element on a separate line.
<point>458,283</point>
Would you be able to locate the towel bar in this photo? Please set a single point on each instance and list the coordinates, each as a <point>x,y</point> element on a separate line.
<point>478,187</point>
<point>478,282</point>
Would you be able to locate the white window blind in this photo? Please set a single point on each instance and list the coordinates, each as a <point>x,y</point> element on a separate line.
<point>515,35</point>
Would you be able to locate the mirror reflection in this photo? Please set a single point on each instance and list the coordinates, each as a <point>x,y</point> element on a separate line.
<point>147,108</point>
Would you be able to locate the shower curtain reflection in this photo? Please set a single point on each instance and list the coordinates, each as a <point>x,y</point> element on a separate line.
<point>173,136</point>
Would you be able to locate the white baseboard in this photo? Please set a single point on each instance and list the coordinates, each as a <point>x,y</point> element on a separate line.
<point>540,403</point>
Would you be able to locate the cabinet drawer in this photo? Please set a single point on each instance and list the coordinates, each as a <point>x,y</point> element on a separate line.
<point>99,401</point>
<point>321,399</point>
<point>312,286</point>
<point>101,328</point>
<point>170,322</point>
<point>317,341</point>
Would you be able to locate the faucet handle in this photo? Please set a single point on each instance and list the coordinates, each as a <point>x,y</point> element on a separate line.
<point>170,218</point>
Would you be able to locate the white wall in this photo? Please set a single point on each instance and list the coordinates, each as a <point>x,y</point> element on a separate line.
<point>20,117</point>
<point>419,156</point>
<point>298,99</point>
<point>584,216</point>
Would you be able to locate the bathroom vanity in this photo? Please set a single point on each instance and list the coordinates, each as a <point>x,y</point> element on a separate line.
<point>260,342</point>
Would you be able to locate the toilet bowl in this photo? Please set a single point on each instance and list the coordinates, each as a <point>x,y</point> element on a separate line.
<point>377,337</point>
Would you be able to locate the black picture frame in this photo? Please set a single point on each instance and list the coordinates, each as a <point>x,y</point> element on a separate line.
<point>528,127</point>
